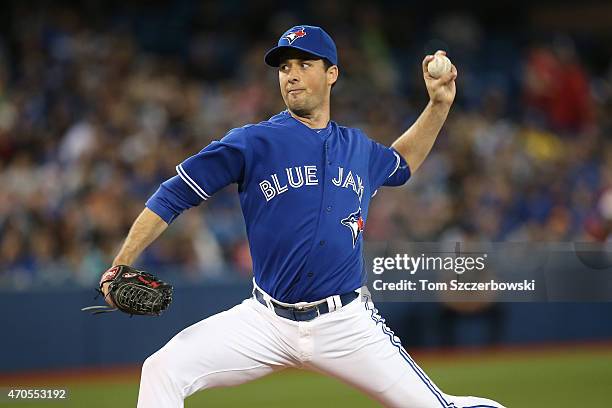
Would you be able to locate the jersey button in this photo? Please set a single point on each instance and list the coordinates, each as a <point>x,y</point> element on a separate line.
<point>322,242</point>
<point>328,209</point>
<point>310,274</point>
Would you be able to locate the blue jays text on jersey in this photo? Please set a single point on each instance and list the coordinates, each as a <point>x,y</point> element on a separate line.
<point>304,195</point>
<point>272,188</point>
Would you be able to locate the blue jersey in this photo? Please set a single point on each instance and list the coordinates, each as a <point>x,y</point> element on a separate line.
<point>304,195</point>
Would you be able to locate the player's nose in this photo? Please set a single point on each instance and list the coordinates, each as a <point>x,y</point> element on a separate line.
<point>293,74</point>
<point>294,77</point>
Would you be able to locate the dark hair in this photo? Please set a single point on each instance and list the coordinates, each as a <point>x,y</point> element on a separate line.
<point>327,65</point>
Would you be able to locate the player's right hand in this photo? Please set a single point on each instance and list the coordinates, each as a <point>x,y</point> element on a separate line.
<point>440,90</point>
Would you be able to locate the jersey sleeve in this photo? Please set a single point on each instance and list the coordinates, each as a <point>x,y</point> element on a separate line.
<point>387,167</point>
<point>172,198</point>
<point>217,165</point>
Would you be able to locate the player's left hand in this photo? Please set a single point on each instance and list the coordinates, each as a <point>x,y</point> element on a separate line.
<point>441,90</point>
<point>132,291</point>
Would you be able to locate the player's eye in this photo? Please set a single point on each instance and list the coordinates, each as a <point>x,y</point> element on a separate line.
<point>305,64</point>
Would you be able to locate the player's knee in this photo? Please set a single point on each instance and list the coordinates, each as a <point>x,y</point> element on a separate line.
<point>159,376</point>
<point>150,365</point>
<point>157,364</point>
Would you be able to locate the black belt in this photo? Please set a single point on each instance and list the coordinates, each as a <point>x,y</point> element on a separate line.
<point>303,314</point>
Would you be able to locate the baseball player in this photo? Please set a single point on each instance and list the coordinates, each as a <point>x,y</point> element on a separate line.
<point>305,184</point>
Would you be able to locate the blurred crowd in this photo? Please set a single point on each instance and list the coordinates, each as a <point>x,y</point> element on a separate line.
<point>97,106</point>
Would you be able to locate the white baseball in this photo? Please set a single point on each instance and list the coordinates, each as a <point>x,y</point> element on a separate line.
<point>439,66</point>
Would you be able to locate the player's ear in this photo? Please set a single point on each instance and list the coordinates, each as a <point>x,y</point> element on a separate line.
<point>332,74</point>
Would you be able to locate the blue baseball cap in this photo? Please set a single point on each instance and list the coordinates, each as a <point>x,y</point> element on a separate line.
<point>311,39</point>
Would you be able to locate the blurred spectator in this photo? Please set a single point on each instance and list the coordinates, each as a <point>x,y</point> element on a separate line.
<point>557,86</point>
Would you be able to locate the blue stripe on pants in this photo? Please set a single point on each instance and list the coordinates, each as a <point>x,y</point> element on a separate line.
<point>377,319</point>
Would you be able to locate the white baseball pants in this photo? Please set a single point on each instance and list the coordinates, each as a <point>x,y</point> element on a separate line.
<point>250,341</point>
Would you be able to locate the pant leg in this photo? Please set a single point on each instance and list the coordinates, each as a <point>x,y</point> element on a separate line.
<point>229,348</point>
<point>355,346</point>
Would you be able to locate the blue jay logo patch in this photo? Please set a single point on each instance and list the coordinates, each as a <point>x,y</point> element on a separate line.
<point>355,223</point>
<point>294,35</point>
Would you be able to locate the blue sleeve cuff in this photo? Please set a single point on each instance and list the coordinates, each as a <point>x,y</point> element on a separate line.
<point>172,198</point>
<point>401,173</point>
<point>157,205</point>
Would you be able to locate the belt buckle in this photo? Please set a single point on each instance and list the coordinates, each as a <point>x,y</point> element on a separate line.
<point>308,309</point>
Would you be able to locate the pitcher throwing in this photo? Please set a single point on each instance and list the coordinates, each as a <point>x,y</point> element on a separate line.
<point>305,184</point>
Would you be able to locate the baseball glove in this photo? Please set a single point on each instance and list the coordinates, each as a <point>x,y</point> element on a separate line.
<point>134,292</point>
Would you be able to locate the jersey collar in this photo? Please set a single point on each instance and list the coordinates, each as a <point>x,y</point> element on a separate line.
<point>323,133</point>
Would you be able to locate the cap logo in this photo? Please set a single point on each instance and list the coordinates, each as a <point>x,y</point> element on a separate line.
<point>294,35</point>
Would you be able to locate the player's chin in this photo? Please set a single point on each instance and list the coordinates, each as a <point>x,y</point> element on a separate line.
<point>295,98</point>
<point>299,107</point>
